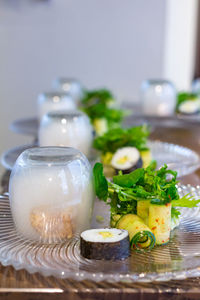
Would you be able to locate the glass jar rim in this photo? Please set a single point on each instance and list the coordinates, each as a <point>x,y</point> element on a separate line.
<point>48,156</point>
<point>67,115</point>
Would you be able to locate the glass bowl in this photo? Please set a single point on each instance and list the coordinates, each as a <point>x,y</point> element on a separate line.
<point>54,101</point>
<point>70,129</point>
<point>71,86</point>
<point>158,97</point>
<point>51,193</point>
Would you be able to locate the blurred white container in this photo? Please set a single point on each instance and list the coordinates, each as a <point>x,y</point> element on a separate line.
<point>51,193</point>
<point>54,101</point>
<point>158,97</point>
<point>196,86</point>
<point>68,129</point>
<point>71,86</point>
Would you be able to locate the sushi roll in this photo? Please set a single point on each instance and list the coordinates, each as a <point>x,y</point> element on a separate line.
<point>189,107</point>
<point>126,159</point>
<point>106,244</point>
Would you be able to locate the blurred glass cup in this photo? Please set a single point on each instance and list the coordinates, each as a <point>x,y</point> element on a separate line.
<point>66,129</point>
<point>51,193</point>
<point>54,101</point>
<point>71,86</point>
<point>158,97</point>
<point>196,86</point>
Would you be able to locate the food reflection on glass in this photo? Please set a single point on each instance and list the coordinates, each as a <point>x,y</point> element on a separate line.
<point>54,101</point>
<point>124,149</point>
<point>51,193</point>
<point>100,106</point>
<point>66,129</point>
<point>144,202</point>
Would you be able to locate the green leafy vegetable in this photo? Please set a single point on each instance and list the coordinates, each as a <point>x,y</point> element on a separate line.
<point>100,182</point>
<point>185,201</point>
<point>175,213</point>
<point>128,180</point>
<point>142,184</point>
<point>118,138</point>
<point>98,104</point>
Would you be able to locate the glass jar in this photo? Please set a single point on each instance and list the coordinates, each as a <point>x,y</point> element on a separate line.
<point>51,193</point>
<point>71,86</point>
<point>67,129</point>
<point>54,101</point>
<point>196,86</point>
<point>158,97</point>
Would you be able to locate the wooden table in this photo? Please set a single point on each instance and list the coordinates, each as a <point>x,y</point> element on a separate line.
<point>22,285</point>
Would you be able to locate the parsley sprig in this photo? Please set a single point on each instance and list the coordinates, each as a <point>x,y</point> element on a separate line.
<point>148,183</point>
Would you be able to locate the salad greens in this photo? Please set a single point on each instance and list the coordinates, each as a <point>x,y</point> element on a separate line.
<point>98,104</point>
<point>118,138</point>
<point>142,184</point>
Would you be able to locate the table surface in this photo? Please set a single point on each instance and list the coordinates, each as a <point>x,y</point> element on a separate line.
<point>22,285</point>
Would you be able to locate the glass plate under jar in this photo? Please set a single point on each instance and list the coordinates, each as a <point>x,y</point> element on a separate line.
<point>180,259</point>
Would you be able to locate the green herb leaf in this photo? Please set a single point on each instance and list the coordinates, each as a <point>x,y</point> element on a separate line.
<point>100,181</point>
<point>128,180</point>
<point>117,138</point>
<point>175,213</point>
<point>185,201</point>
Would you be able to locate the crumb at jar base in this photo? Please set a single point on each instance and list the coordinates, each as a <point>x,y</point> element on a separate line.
<point>52,225</point>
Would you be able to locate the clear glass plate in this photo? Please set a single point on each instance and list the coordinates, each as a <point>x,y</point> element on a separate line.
<point>178,158</point>
<point>28,126</point>
<point>179,259</point>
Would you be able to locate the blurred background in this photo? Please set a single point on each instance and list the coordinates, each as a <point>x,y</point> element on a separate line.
<point>115,44</point>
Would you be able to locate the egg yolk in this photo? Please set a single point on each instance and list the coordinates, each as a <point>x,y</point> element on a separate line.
<point>106,234</point>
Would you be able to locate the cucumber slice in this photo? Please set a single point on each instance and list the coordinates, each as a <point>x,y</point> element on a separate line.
<point>143,209</point>
<point>140,235</point>
<point>160,222</point>
<point>146,157</point>
<point>113,220</point>
<point>100,126</point>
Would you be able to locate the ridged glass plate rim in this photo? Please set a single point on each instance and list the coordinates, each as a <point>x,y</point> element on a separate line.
<point>187,167</point>
<point>100,276</point>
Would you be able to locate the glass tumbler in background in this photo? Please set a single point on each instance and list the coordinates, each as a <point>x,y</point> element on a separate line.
<point>196,86</point>
<point>54,101</point>
<point>66,129</point>
<point>158,97</point>
<point>51,193</point>
<point>71,86</point>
